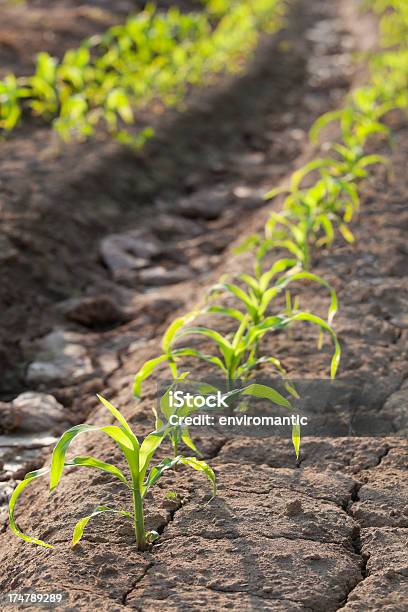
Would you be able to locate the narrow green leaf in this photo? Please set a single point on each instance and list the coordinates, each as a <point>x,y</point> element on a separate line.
<point>118,416</point>
<point>213,360</point>
<point>243,297</point>
<point>92,462</point>
<point>174,327</point>
<point>317,279</point>
<point>147,368</point>
<point>227,312</point>
<point>13,500</point>
<point>83,522</point>
<point>296,439</point>
<point>58,456</point>
<point>304,316</point>
<point>279,266</point>
<point>346,233</point>
<point>275,192</point>
<point>185,436</point>
<point>322,122</point>
<point>149,446</point>
<point>299,175</point>
<point>202,466</point>
<point>266,392</point>
<point>222,343</point>
<point>157,471</point>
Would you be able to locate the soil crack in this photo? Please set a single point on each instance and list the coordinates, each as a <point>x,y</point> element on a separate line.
<point>134,584</point>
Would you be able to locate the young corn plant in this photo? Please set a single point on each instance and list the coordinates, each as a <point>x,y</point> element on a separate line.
<point>143,476</point>
<point>257,292</point>
<point>310,217</point>
<point>238,352</point>
<point>359,120</point>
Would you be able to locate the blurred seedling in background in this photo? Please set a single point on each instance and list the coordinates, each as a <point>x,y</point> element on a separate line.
<point>152,59</point>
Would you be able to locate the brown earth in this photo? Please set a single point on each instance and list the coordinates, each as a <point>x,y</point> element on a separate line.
<point>329,535</point>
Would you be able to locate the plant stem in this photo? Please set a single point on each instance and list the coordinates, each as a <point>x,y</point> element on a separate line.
<point>175,448</point>
<point>139,517</point>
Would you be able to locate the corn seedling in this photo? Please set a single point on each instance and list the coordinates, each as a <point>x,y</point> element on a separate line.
<point>142,476</point>
<point>310,217</point>
<point>258,292</point>
<point>238,352</point>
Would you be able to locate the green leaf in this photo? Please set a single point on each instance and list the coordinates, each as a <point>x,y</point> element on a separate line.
<point>317,279</point>
<point>213,360</point>
<point>279,266</point>
<point>346,233</point>
<point>269,324</point>
<point>92,462</point>
<point>322,122</point>
<point>58,456</point>
<point>274,192</point>
<point>296,439</point>
<point>371,160</point>
<point>185,436</point>
<point>13,500</point>
<point>290,245</point>
<point>247,245</point>
<point>83,522</point>
<point>149,446</point>
<point>265,392</point>
<point>250,281</point>
<point>224,346</point>
<point>299,175</point>
<point>243,297</point>
<point>202,466</point>
<point>174,327</point>
<point>118,416</point>
<point>157,471</point>
<point>147,368</point>
<point>304,316</point>
<point>227,312</point>
<point>324,222</point>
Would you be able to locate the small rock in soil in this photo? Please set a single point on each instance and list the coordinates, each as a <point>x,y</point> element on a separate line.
<point>60,360</point>
<point>206,205</point>
<point>9,418</point>
<point>395,411</point>
<point>37,412</point>
<point>128,251</point>
<point>97,311</point>
<point>27,440</point>
<point>158,275</point>
<point>167,227</point>
<point>108,362</point>
<point>294,508</point>
<point>19,464</point>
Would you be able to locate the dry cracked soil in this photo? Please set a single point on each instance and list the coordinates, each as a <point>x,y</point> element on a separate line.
<point>97,257</point>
